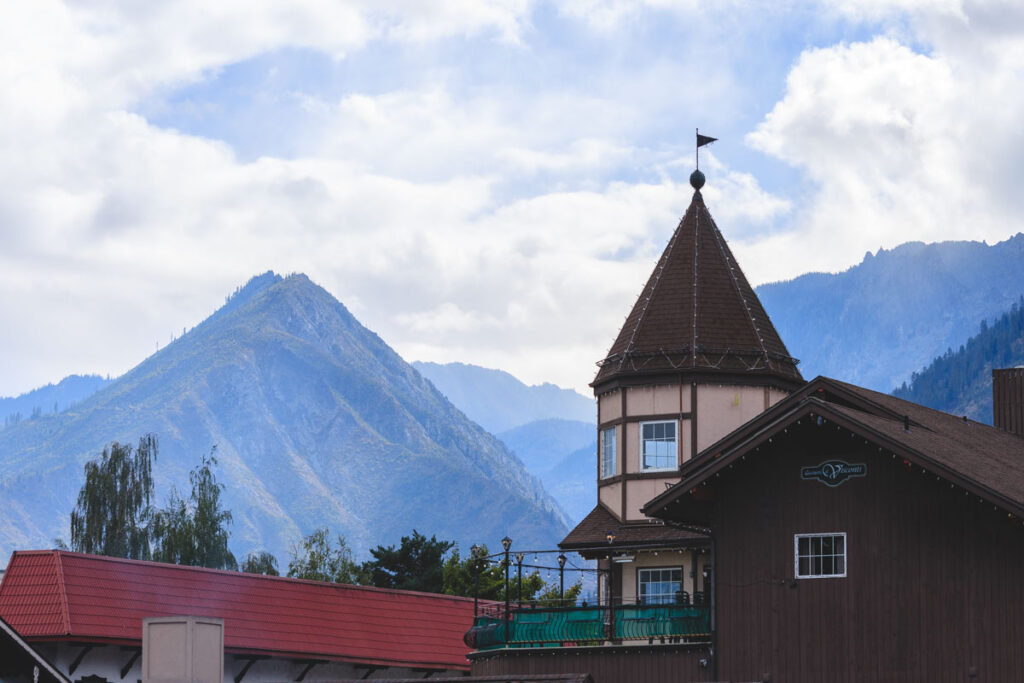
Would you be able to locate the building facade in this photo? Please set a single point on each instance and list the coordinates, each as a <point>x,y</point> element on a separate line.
<point>753,527</point>
<point>696,358</point>
<point>859,537</point>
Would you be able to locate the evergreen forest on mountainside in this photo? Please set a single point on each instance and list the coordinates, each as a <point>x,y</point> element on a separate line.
<point>889,316</point>
<point>52,398</point>
<point>316,422</point>
<point>960,382</point>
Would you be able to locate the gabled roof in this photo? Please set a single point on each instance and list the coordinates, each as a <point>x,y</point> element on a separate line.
<point>592,534</point>
<point>55,595</point>
<point>984,461</point>
<point>17,656</point>
<point>698,312</point>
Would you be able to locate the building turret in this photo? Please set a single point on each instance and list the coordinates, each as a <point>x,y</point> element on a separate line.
<point>696,358</point>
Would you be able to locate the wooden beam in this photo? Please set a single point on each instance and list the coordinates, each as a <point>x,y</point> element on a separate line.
<point>250,660</point>
<point>86,649</point>
<point>131,661</point>
<point>370,669</point>
<point>310,663</point>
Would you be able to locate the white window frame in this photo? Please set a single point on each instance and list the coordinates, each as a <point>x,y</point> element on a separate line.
<point>665,599</point>
<point>675,441</point>
<point>796,556</point>
<point>609,465</point>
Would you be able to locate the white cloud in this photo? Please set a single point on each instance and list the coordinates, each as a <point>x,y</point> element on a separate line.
<point>900,144</point>
<point>499,222</point>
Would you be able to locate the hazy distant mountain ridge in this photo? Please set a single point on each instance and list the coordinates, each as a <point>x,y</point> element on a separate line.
<point>879,321</point>
<point>960,382</point>
<point>554,431</point>
<point>52,398</point>
<point>563,455</point>
<point>498,401</point>
<point>316,421</point>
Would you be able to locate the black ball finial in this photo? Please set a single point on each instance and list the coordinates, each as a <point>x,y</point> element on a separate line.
<point>697,180</point>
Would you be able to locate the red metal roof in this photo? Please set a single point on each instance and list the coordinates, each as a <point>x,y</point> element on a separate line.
<point>56,595</point>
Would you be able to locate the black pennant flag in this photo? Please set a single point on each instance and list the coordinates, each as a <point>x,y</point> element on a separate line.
<point>704,140</point>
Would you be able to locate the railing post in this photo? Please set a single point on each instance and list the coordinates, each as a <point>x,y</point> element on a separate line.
<point>519,570</point>
<point>506,543</point>
<point>611,587</point>
<point>561,579</point>
<point>474,551</point>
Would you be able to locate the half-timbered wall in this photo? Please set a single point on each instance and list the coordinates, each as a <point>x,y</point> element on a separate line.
<point>720,408</point>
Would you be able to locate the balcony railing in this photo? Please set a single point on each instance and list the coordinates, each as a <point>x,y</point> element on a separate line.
<point>573,626</point>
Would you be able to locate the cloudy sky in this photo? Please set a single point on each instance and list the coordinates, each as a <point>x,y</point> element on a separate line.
<point>487,182</point>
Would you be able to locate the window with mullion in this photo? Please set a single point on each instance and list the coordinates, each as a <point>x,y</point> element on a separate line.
<point>658,445</point>
<point>658,586</point>
<point>608,452</point>
<point>819,555</point>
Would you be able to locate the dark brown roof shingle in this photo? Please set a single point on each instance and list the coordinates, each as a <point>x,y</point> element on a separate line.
<point>592,532</point>
<point>697,311</point>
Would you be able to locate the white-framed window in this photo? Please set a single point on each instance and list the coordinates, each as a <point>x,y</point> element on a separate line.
<point>658,445</point>
<point>658,586</point>
<point>818,556</point>
<point>608,452</point>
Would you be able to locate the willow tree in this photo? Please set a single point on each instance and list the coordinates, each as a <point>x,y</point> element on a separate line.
<point>195,531</point>
<point>113,511</point>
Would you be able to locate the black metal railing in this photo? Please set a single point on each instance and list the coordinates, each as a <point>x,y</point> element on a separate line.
<point>589,625</point>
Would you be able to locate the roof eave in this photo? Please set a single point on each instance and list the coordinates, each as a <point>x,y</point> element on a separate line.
<point>713,462</point>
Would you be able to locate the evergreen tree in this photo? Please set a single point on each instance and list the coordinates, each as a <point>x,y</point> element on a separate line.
<point>113,510</point>
<point>416,565</point>
<point>316,559</point>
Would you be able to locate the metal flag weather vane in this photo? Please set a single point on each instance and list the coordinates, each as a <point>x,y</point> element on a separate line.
<point>701,141</point>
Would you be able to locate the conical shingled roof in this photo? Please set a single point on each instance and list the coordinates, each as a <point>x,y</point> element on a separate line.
<point>699,313</point>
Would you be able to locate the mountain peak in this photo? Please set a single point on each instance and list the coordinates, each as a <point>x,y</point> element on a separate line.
<point>316,420</point>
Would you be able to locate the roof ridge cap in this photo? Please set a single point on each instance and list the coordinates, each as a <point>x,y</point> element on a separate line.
<point>232,574</point>
<point>62,592</point>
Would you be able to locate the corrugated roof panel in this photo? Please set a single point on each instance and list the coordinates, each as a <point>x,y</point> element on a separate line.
<point>107,599</point>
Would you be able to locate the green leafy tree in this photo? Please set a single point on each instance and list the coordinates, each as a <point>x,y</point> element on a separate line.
<point>459,577</point>
<point>113,511</point>
<point>195,532</point>
<point>317,559</point>
<point>550,597</point>
<point>417,564</point>
<point>260,563</point>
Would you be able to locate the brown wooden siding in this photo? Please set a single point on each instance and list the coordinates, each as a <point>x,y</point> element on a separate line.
<point>1008,400</point>
<point>933,588</point>
<point>650,664</point>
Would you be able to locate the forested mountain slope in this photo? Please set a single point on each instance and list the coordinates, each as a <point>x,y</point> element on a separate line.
<point>316,422</point>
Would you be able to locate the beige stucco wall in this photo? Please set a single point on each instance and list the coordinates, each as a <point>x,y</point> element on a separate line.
<point>610,496</point>
<point>664,558</point>
<point>776,395</point>
<point>639,491</point>
<point>609,407</point>
<point>721,409</point>
<point>657,400</point>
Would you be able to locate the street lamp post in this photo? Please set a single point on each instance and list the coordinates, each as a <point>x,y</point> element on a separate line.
<point>611,586</point>
<point>474,552</point>
<point>561,579</point>
<point>506,543</point>
<point>519,570</point>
